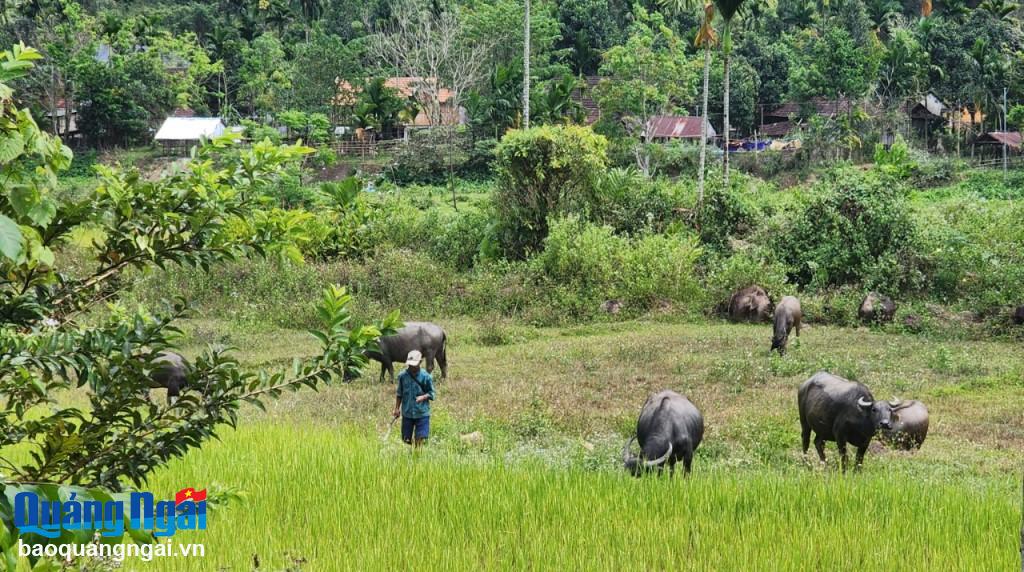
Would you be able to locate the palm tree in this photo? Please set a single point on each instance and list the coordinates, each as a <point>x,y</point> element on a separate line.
<point>1000,9</point>
<point>728,8</point>
<point>706,38</point>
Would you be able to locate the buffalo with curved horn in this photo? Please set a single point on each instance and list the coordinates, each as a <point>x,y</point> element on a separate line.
<point>669,429</point>
<point>840,410</point>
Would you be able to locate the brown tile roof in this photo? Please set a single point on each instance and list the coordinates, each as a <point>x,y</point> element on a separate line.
<point>585,97</point>
<point>777,129</point>
<point>817,105</point>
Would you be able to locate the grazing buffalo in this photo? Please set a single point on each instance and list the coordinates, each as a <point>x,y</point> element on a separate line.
<point>1018,316</point>
<point>170,373</point>
<point>840,410</point>
<point>909,425</point>
<point>750,304</point>
<point>424,337</point>
<point>876,308</point>
<point>788,315</point>
<point>670,428</point>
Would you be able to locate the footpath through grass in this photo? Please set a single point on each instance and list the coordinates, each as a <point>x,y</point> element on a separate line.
<point>343,500</point>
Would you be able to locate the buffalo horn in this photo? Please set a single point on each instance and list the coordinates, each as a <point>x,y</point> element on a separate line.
<point>863,402</point>
<point>660,460</point>
<point>625,450</point>
<point>895,402</point>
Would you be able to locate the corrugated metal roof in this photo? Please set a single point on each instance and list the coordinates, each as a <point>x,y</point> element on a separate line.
<point>189,128</point>
<point>1011,139</point>
<point>676,127</point>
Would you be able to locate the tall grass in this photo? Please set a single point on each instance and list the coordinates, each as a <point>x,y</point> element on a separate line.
<point>343,500</point>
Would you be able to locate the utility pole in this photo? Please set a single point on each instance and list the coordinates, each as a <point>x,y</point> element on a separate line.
<point>1004,132</point>
<point>526,67</point>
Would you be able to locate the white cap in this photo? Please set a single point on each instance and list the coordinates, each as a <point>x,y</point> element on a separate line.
<point>414,358</point>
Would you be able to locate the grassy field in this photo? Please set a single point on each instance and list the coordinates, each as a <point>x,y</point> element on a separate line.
<point>544,489</point>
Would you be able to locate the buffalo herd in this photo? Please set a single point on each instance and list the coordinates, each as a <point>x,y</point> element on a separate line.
<point>670,427</point>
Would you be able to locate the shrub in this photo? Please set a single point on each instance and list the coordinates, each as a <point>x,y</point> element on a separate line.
<point>726,274</point>
<point>976,253</point>
<point>895,161</point>
<point>855,226</point>
<point>726,213</point>
<point>430,156</point>
<point>456,238</point>
<point>539,170</point>
<point>630,203</point>
<point>594,264</point>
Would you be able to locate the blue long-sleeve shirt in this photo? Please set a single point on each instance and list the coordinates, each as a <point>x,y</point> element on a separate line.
<point>410,388</point>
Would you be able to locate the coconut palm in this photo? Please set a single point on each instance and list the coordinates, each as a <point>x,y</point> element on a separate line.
<point>1000,9</point>
<point>728,9</point>
<point>706,39</point>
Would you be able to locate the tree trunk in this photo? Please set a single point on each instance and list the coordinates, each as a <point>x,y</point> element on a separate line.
<point>725,106</point>
<point>703,131</point>
<point>526,67</point>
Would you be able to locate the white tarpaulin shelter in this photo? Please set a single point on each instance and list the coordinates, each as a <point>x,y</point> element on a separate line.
<point>189,129</point>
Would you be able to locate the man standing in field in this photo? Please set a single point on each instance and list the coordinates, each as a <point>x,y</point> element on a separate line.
<point>412,400</point>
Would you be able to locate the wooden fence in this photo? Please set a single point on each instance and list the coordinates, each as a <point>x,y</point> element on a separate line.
<point>365,149</point>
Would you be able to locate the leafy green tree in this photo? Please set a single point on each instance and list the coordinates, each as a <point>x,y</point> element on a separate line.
<point>1015,118</point>
<point>649,75</point>
<point>318,64</point>
<point>743,94</point>
<point>265,76</point>
<point>113,438</point>
<point>589,27</point>
<point>832,65</point>
<point>903,70</point>
<point>123,98</point>
<point>541,172</point>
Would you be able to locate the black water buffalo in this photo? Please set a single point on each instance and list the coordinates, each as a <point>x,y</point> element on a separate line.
<point>1018,316</point>
<point>170,372</point>
<point>909,425</point>
<point>750,304</point>
<point>429,339</point>
<point>670,428</point>
<point>788,315</point>
<point>840,410</point>
<point>876,308</point>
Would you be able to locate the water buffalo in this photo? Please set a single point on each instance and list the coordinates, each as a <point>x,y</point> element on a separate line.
<point>788,315</point>
<point>840,410</point>
<point>876,308</point>
<point>909,425</point>
<point>670,428</point>
<point>1018,316</point>
<point>750,304</point>
<point>170,373</point>
<point>429,339</point>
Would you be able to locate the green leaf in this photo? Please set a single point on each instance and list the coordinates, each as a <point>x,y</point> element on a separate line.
<point>43,212</point>
<point>12,145</point>
<point>12,243</point>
